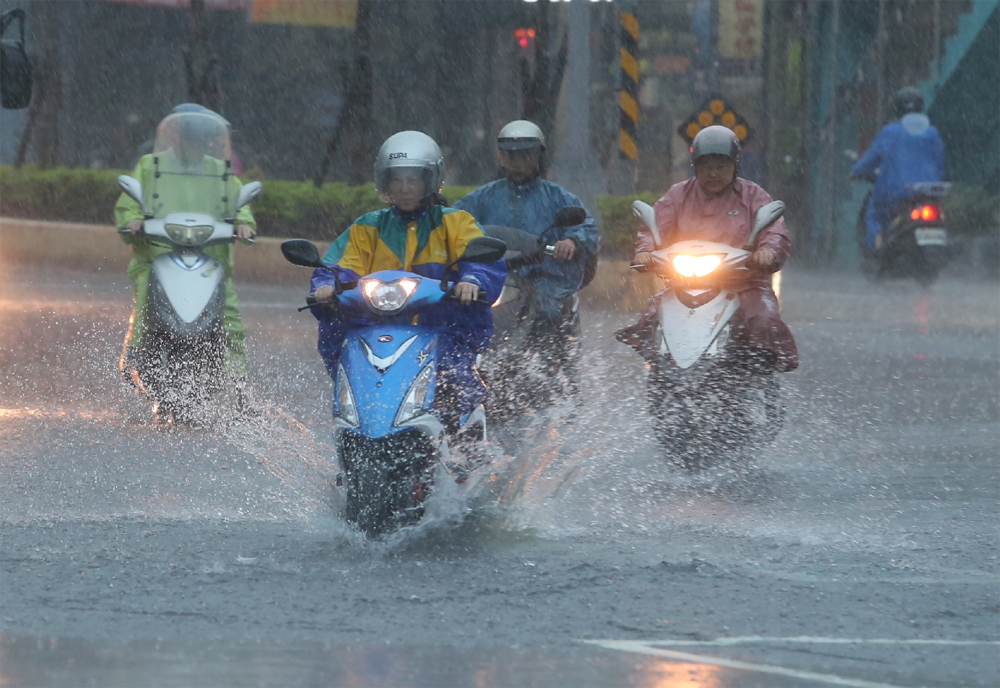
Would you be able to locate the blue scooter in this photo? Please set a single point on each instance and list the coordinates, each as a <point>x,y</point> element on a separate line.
<point>390,433</point>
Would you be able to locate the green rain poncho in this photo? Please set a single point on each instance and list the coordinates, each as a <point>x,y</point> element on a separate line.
<point>178,188</point>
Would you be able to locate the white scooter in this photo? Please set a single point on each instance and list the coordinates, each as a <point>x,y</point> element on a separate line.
<point>708,395</point>
<point>181,362</point>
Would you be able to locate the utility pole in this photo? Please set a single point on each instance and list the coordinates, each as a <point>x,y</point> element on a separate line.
<point>628,102</point>
<point>830,137</point>
<point>576,164</point>
<point>880,66</point>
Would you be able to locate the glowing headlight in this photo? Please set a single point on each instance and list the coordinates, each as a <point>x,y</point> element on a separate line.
<point>416,398</point>
<point>388,297</point>
<point>189,236</point>
<point>695,266</point>
<point>346,407</point>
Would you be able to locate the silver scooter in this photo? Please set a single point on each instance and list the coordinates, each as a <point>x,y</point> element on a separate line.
<point>708,396</point>
<point>182,360</point>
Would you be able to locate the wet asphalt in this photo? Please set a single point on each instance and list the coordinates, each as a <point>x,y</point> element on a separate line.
<point>860,550</point>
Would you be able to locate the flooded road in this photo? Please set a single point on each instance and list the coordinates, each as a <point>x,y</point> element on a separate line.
<point>860,550</point>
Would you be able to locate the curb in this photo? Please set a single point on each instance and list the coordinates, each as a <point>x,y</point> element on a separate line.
<point>99,248</point>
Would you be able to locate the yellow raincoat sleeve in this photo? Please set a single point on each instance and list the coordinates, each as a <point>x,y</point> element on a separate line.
<point>462,228</point>
<point>359,253</point>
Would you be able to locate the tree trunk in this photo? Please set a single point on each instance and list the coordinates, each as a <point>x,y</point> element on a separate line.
<point>43,116</point>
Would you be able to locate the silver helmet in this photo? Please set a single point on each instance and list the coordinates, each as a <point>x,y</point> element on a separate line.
<point>414,150</point>
<point>520,135</point>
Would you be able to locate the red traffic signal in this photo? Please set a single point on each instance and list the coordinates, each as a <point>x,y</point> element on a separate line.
<point>525,37</point>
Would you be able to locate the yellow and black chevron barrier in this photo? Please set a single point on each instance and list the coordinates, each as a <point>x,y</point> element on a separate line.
<point>715,110</point>
<point>628,101</point>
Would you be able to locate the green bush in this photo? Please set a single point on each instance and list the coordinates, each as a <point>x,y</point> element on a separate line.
<point>972,211</point>
<point>285,209</point>
<point>618,224</point>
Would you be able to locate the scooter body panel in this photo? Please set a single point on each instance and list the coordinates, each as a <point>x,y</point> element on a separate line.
<point>381,362</point>
<point>689,332</point>
<point>189,280</point>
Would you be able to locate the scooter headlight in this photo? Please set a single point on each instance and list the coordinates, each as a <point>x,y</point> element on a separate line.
<point>388,297</point>
<point>695,266</point>
<point>416,397</point>
<point>189,235</point>
<point>346,408</point>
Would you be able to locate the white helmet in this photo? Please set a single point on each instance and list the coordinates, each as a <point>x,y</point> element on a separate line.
<point>410,149</point>
<point>520,135</point>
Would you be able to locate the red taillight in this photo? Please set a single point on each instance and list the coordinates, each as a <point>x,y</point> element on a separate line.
<point>927,213</point>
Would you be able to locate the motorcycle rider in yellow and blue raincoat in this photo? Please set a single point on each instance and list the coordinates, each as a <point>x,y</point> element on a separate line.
<point>417,235</point>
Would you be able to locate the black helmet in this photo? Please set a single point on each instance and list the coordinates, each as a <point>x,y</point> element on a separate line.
<point>907,100</point>
<point>715,140</point>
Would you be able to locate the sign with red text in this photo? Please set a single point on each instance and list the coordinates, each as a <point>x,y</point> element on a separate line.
<point>741,29</point>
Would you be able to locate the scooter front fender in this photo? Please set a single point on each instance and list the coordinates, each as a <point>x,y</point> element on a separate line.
<point>687,333</point>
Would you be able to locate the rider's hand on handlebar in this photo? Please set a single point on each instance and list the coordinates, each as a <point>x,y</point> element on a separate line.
<point>643,258</point>
<point>324,294</point>
<point>134,226</point>
<point>466,292</point>
<point>564,250</point>
<point>762,259</point>
<point>245,232</point>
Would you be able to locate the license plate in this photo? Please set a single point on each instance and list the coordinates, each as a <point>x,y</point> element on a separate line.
<point>932,236</point>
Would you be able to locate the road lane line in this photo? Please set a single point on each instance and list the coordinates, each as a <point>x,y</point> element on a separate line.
<point>643,648</point>
<point>745,639</point>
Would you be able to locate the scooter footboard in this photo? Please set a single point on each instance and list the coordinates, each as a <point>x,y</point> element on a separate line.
<point>382,364</point>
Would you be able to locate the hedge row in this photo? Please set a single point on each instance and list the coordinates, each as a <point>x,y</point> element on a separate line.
<point>285,209</point>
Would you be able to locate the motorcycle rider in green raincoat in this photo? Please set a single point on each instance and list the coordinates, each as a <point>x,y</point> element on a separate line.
<point>189,170</point>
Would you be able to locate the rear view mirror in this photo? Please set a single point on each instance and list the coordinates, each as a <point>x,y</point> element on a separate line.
<point>570,216</point>
<point>248,192</point>
<point>483,250</point>
<point>766,216</point>
<point>133,189</point>
<point>301,252</point>
<point>647,216</point>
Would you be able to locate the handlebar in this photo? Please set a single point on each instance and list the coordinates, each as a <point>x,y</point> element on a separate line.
<point>531,258</point>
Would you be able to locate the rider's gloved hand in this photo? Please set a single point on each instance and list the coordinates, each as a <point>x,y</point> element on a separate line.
<point>565,249</point>
<point>762,259</point>
<point>245,232</point>
<point>134,226</point>
<point>465,292</point>
<point>324,294</point>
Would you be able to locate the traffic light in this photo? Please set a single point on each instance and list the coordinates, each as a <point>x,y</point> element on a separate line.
<point>525,38</point>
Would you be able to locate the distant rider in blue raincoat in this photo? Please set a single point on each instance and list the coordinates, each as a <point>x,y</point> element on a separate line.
<point>907,151</point>
<point>419,236</point>
<point>524,200</point>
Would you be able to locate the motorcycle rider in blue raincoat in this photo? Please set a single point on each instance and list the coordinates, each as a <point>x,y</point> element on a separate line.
<point>417,235</point>
<point>907,151</point>
<point>524,200</point>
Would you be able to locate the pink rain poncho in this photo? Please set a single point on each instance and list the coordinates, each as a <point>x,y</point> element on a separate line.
<point>687,212</point>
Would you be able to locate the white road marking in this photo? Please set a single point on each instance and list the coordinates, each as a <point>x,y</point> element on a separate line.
<point>645,649</point>
<point>751,639</point>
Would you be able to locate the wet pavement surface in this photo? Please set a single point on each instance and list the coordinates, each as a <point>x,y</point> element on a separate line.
<point>860,550</point>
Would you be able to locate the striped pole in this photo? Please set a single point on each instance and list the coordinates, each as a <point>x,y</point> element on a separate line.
<point>628,101</point>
